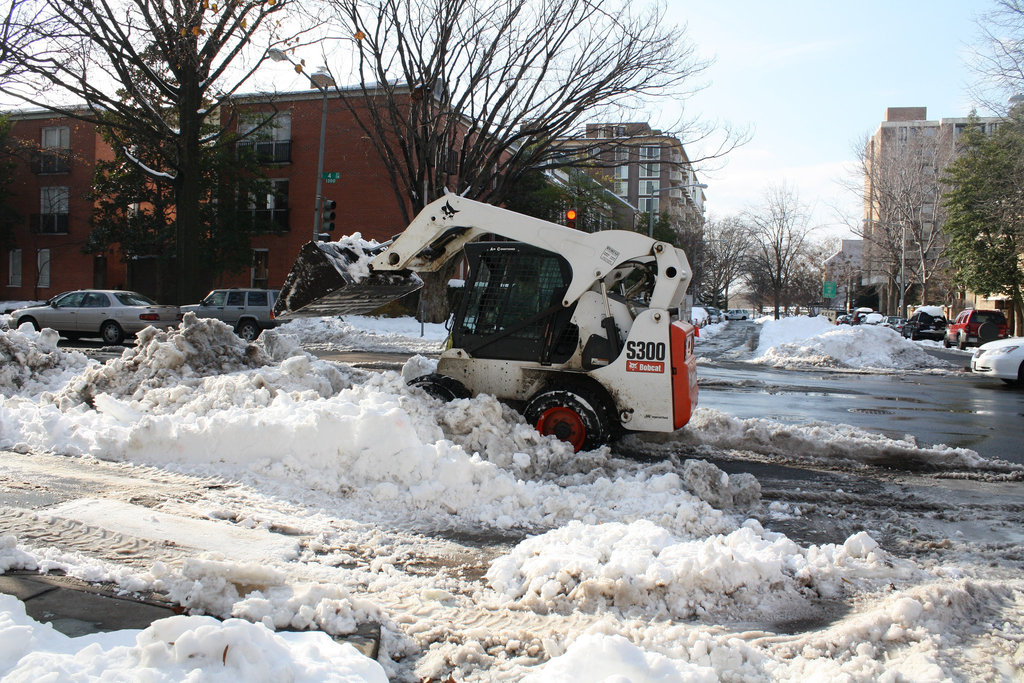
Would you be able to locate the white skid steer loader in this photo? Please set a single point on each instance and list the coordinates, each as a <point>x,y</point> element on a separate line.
<point>580,331</point>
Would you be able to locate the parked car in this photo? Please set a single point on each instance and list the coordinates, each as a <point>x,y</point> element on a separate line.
<point>925,325</point>
<point>844,319</point>
<point>249,311</point>
<point>108,314</point>
<point>714,314</point>
<point>974,327</point>
<point>895,322</point>
<point>735,314</point>
<point>1003,358</point>
<point>871,318</point>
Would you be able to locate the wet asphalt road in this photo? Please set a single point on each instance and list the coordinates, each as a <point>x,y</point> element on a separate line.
<point>954,408</point>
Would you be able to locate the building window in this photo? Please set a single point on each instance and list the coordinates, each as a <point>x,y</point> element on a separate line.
<point>260,269</point>
<point>270,210</point>
<point>269,139</point>
<point>649,187</point>
<point>14,268</point>
<point>622,188</point>
<point>649,156</point>
<point>53,210</point>
<point>53,151</point>
<point>43,268</point>
<point>622,172</point>
<point>648,204</point>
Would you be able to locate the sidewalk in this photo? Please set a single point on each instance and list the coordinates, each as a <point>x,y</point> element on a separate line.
<point>76,608</point>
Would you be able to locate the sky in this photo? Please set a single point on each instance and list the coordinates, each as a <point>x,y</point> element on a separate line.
<point>810,78</point>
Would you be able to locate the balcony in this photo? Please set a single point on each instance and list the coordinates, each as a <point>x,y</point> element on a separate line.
<point>268,151</point>
<point>49,163</point>
<point>49,223</point>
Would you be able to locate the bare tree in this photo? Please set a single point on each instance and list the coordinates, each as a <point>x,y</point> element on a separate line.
<point>999,59</point>
<point>466,96</point>
<point>900,170</point>
<point>778,232</point>
<point>156,75</point>
<point>724,254</point>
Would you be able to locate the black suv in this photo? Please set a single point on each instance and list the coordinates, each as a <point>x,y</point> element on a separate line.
<point>923,325</point>
<point>249,311</point>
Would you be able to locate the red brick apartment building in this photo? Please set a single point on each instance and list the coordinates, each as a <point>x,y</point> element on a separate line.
<point>50,193</point>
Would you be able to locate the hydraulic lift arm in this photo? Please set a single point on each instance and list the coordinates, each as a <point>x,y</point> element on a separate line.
<point>443,228</point>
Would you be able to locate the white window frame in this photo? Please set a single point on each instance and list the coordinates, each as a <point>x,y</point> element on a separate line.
<point>14,268</point>
<point>56,137</point>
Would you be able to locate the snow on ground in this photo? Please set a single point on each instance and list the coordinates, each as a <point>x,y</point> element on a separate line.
<point>365,333</point>
<point>816,341</point>
<point>624,568</point>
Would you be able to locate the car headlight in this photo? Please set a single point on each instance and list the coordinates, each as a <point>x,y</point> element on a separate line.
<point>1000,351</point>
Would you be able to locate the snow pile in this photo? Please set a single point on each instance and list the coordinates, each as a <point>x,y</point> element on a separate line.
<point>642,568</point>
<point>175,649</point>
<point>276,416</point>
<point>199,348</point>
<point>818,342</point>
<point>30,361</point>
<point>351,254</point>
<point>212,584</point>
<point>599,657</point>
<point>711,330</point>
<point>826,442</point>
<point>398,335</point>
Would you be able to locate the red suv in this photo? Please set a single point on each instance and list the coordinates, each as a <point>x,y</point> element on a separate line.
<point>973,328</point>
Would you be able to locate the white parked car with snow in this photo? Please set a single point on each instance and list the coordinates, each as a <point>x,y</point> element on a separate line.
<point>1003,358</point>
<point>735,314</point>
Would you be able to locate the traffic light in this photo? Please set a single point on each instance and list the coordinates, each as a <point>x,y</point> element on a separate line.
<point>327,215</point>
<point>570,218</point>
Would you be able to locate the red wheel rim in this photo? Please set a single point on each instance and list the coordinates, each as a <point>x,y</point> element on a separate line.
<point>564,423</point>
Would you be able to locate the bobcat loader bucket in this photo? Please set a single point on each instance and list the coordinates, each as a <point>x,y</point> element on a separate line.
<point>333,278</point>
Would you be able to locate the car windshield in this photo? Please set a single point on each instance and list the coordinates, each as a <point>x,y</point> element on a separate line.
<point>989,317</point>
<point>215,298</point>
<point>133,299</point>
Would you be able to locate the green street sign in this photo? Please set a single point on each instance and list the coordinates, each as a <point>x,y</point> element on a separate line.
<point>828,289</point>
<point>331,175</point>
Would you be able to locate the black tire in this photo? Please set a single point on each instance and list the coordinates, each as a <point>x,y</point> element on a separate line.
<point>28,319</point>
<point>946,343</point>
<point>576,416</point>
<point>248,330</point>
<point>441,387</point>
<point>111,332</point>
<point>987,332</point>
<point>961,342</point>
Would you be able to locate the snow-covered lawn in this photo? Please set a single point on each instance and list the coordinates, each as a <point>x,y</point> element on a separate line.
<point>596,567</point>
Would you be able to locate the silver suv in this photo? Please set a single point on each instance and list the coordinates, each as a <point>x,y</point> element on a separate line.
<point>249,311</point>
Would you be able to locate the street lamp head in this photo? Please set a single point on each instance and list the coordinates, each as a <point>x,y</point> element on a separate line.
<point>277,55</point>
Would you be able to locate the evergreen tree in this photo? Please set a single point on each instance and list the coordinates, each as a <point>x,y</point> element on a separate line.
<point>985,212</point>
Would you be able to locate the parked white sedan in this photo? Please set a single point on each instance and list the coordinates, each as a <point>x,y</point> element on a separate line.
<point>1003,358</point>
<point>106,313</point>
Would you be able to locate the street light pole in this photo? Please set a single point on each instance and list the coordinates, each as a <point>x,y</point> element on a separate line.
<point>320,80</point>
<point>650,207</point>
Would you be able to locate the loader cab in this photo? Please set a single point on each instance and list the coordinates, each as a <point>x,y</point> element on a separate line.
<point>511,306</point>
